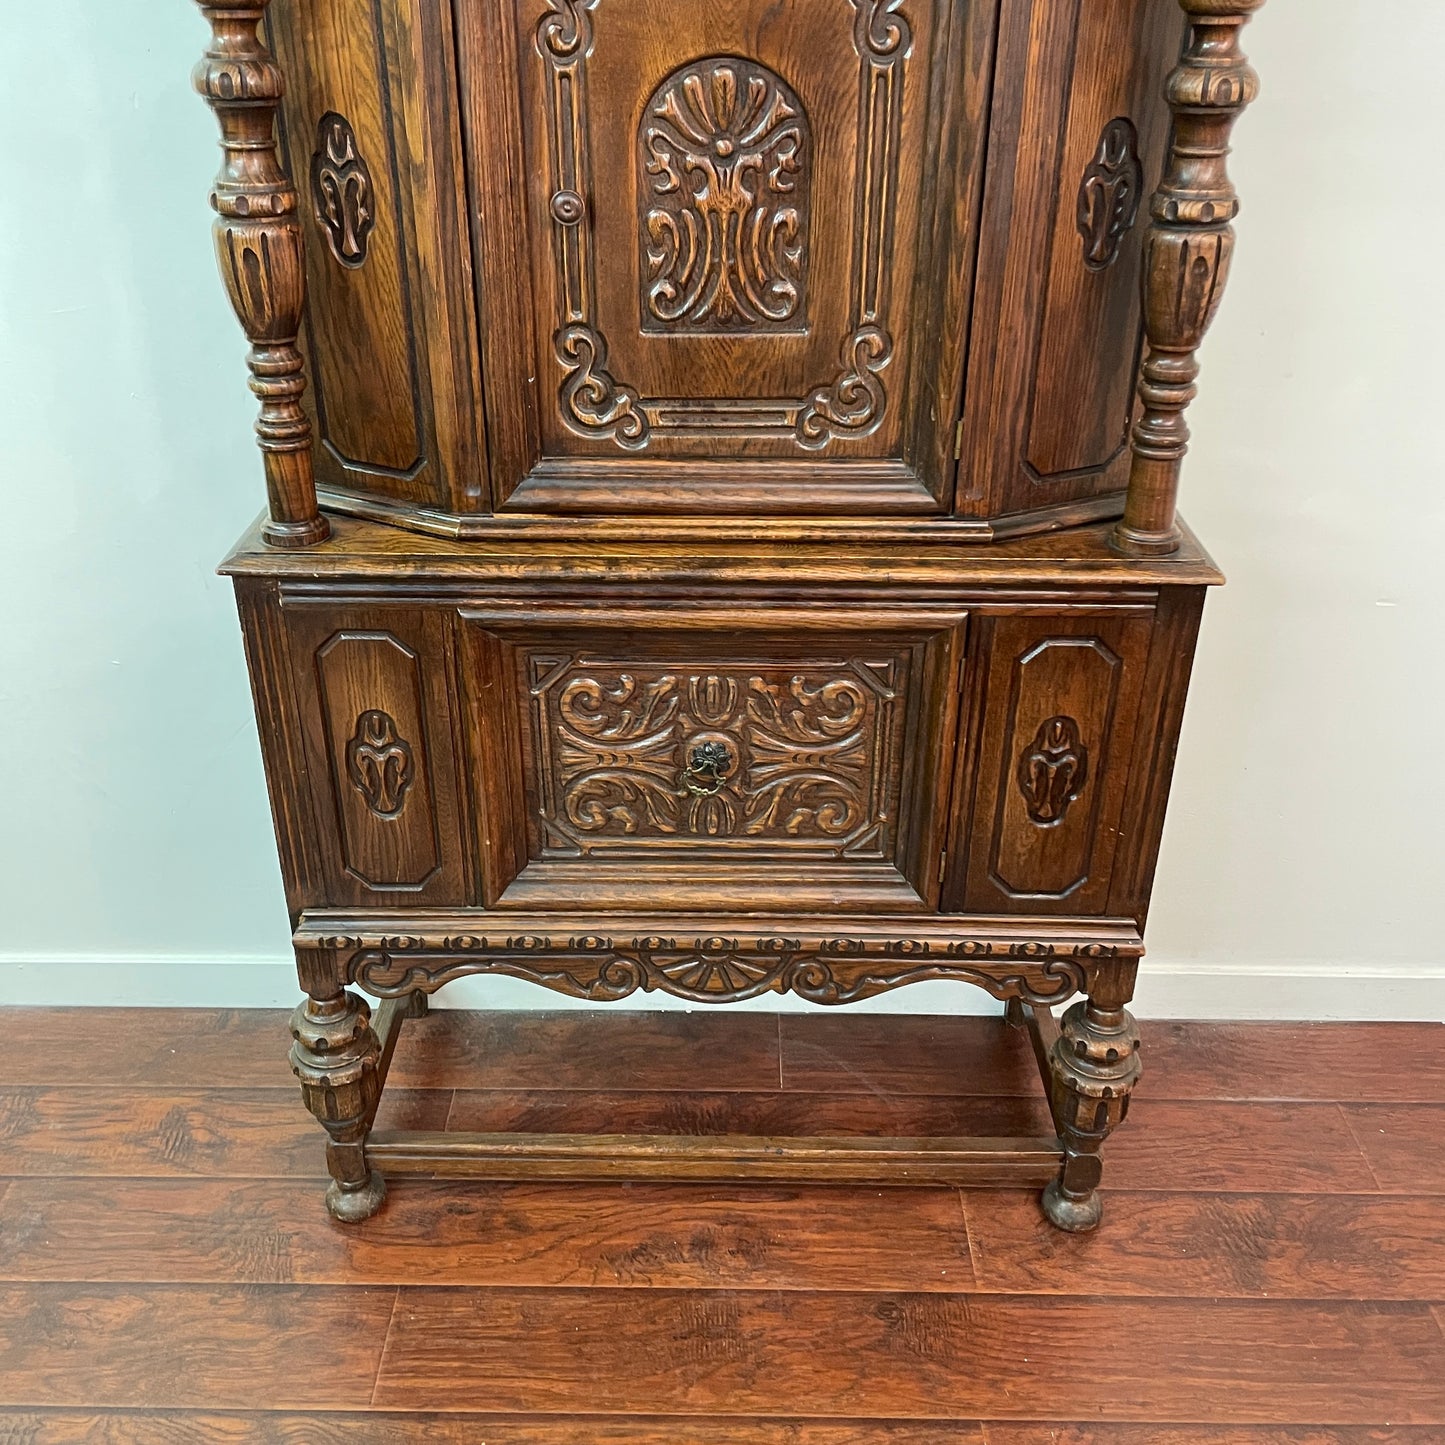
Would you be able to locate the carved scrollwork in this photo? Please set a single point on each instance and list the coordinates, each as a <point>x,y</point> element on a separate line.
<point>636,756</point>
<point>1053,770</point>
<point>1110,194</point>
<point>830,970</point>
<point>592,400</point>
<point>853,404</point>
<point>380,763</point>
<point>725,178</point>
<point>880,30</point>
<point>342,190</point>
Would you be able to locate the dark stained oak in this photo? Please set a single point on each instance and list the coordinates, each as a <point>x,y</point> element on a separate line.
<point>59,1427</point>
<point>876,1354</point>
<point>196,1346</point>
<point>694,436</point>
<point>1275,1246</point>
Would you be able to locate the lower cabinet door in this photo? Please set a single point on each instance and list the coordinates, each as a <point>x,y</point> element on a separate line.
<point>752,758</point>
<point>1058,698</point>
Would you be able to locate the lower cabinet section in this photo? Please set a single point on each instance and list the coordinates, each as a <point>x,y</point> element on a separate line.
<point>989,755</point>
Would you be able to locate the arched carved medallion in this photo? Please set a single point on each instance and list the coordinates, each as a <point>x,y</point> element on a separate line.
<point>1110,193</point>
<point>724,160</point>
<point>342,190</point>
<point>1053,771</point>
<point>380,764</point>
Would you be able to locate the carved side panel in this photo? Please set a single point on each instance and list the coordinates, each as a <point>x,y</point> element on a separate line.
<point>388,331</point>
<point>373,696</point>
<point>1059,717</point>
<point>1078,134</point>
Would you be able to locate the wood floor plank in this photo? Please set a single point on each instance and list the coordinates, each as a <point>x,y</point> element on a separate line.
<point>461,1233</point>
<point>190,1345</point>
<point>175,1131</point>
<point>1054,1434</point>
<point>1186,1144</point>
<point>911,1054</point>
<point>914,1355</point>
<point>67,1427</point>
<point>1402,1144</point>
<point>795,1115</point>
<point>1274,1246</point>
<point>148,1047</point>
<point>447,1049</point>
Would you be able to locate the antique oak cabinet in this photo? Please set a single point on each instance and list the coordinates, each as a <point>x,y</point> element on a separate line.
<point>722,459</point>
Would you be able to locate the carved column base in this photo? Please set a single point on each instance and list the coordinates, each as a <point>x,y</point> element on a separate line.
<point>294,535</point>
<point>337,1056</point>
<point>1131,542</point>
<point>1095,1068</point>
<point>351,1204</point>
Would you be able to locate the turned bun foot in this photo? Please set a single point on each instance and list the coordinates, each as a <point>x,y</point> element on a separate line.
<point>1077,1216</point>
<point>351,1206</point>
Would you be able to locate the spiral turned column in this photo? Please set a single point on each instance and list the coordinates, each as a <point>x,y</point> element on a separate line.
<point>1186,261</point>
<point>259,248</point>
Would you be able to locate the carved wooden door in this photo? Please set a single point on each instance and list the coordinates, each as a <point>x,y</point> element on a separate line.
<point>723,250</point>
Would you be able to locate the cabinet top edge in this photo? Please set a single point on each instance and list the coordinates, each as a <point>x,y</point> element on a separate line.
<point>360,550</point>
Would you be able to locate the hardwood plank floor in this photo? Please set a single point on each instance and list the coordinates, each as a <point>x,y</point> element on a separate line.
<point>1270,1272</point>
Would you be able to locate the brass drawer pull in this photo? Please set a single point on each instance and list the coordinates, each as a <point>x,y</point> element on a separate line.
<point>707,770</point>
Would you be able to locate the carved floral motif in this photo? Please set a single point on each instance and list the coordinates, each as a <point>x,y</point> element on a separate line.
<point>724,155</point>
<point>341,187</point>
<point>1110,193</point>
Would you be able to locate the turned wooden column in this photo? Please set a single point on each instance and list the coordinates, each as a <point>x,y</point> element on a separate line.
<point>1186,261</point>
<point>1095,1068</point>
<point>337,1057</point>
<point>259,247</point>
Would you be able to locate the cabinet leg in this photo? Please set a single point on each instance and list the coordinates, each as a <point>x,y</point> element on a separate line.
<point>336,1055</point>
<point>1094,1067</point>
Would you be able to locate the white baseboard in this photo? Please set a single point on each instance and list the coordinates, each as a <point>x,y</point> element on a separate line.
<point>1307,990</point>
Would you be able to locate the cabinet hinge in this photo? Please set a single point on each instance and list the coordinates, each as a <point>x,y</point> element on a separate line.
<point>942,865</point>
<point>958,441</point>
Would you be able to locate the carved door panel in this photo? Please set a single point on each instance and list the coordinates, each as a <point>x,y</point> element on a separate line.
<point>1060,705</point>
<point>728,232</point>
<point>372,691</point>
<point>389,336</point>
<point>1076,146</point>
<point>712,758</point>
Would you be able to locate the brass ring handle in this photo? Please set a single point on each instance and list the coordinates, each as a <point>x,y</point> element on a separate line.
<point>707,769</point>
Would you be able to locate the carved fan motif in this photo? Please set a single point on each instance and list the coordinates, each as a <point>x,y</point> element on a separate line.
<point>724,152</point>
<point>380,764</point>
<point>1052,773</point>
<point>1110,193</point>
<point>342,187</point>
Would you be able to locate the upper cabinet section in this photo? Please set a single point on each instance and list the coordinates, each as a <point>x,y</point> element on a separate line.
<point>724,249</point>
<point>772,259</point>
<point>374,147</point>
